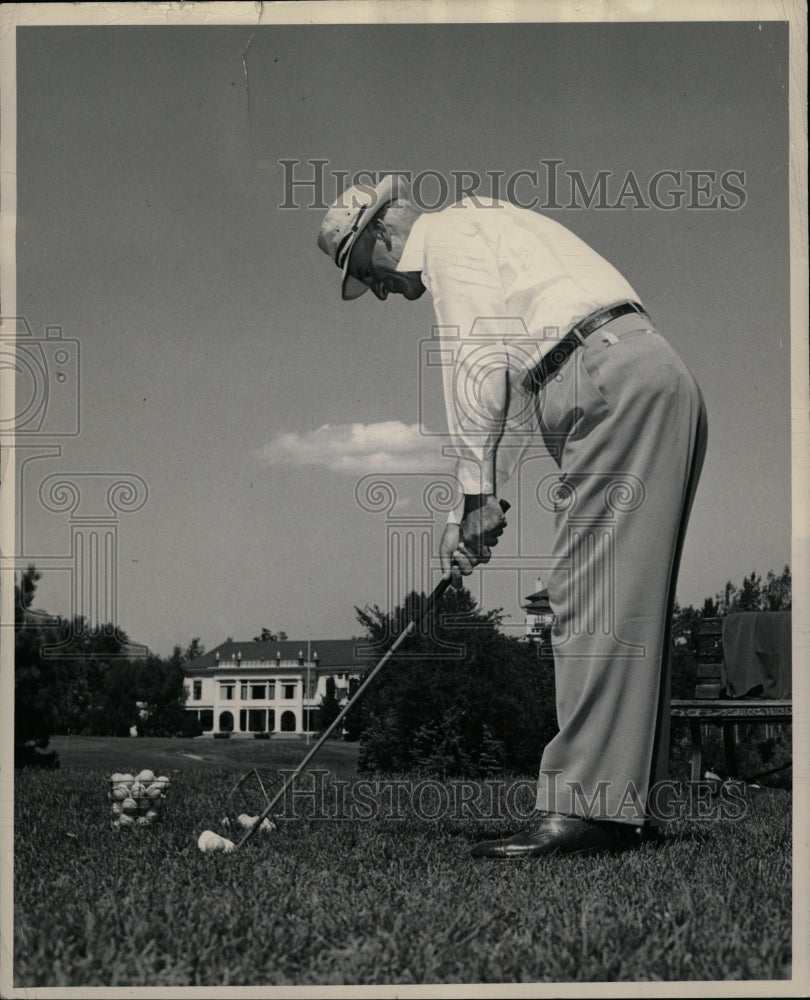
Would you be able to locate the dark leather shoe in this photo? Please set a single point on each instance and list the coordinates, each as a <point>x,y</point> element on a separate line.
<point>555,833</point>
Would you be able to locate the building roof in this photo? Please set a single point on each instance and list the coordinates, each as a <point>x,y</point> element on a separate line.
<point>331,653</point>
<point>538,603</point>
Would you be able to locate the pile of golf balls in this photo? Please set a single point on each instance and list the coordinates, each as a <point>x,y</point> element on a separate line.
<point>137,800</point>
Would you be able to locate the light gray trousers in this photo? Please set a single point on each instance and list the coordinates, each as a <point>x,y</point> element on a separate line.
<point>625,422</point>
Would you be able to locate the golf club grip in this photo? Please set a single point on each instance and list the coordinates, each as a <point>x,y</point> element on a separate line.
<point>427,609</point>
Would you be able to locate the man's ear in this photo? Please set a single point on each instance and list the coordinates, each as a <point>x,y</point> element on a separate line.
<point>381,232</point>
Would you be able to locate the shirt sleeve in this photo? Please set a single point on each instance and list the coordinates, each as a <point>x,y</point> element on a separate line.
<point>489,416</point>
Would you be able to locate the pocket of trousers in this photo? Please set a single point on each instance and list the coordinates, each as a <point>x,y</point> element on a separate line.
<point>572,402</point>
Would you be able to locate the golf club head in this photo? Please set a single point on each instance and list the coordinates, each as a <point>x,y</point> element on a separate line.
<point>248,798</point>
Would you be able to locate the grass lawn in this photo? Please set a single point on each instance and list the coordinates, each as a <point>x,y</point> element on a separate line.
<point>370,901</point>
<point>168,755</point>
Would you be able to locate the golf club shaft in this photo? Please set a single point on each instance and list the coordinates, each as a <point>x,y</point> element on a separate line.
<point>408,630</point>
<point>427,609</point>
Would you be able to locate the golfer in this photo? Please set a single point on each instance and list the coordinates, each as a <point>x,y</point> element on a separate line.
<point>547,342</point>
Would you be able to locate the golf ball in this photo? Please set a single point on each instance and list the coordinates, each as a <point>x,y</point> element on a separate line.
<point>247,822</point>
<point>210,842</point>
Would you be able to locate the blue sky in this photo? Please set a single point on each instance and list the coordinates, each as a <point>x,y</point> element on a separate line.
<point>218,362</point>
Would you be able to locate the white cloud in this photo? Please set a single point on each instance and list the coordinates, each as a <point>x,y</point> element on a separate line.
<point>390,446</point>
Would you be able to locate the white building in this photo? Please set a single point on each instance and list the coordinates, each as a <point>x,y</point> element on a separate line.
<point>270,687</point>
<point>540,618</point>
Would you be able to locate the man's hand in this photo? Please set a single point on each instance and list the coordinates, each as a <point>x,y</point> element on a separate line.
<point>464,546</point>
<point>456,558</point>
<point>483,522</point>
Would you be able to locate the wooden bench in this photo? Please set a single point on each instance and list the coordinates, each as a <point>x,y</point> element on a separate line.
<point>709,708</point>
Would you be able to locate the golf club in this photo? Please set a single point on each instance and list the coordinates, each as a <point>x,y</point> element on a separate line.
<point>426,610</point>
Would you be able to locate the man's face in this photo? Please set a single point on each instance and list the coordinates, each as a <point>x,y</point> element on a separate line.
<point>374,258</point>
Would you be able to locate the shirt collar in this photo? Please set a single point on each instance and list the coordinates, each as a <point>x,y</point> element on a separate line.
<point>413,253</point>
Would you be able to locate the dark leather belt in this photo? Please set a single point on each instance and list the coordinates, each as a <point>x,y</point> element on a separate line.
<point>562,351</point>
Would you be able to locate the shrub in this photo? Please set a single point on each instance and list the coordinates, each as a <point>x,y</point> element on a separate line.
<point>488,710</point>
<point>191,726</point>
<point>32,754</point>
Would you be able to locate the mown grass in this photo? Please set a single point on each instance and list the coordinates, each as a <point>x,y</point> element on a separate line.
<point>380,901</point>
<point>168,754</point>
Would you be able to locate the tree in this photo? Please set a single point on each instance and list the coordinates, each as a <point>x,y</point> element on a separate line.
<point>751,595</point>
<point>266,636</point>
<point>34,708</point>
<point>683,666</point>
<point>777,595</point>
<point>357,720</point>
<point>193,650</point>
<point>161,690</point>
<point>118,711</point>
<point>329,707</point>
<point>24,590</point>
<point>485,705</point>
<point>73,678</point>
<point>710,609</point>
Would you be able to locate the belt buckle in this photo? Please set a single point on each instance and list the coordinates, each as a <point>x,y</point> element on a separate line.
<point>578,337</point>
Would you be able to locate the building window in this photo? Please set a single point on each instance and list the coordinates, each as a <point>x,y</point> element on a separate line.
<point>288,722</point>
<point>242,720</point>
<point>257,692</point>
<point>243,691</point>
<point>207,719</point>
<point>226,692</point>
<point>271,692</point>
<point>225,722</point>
<point>197,690</point>
<point>289,691</point>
